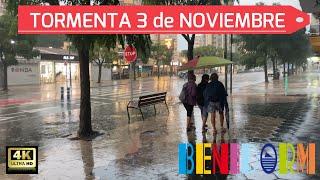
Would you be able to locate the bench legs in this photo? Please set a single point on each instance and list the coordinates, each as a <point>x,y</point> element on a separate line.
<point>167,106</point>
<point>155,111</point>
<point>141,114</point>
<point>128,115</point>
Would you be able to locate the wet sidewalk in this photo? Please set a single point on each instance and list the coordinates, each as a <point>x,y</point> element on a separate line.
<point>260,113</point>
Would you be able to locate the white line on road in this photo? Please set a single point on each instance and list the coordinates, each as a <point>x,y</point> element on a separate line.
<point>12,117</point>
<point>40,109</point>
<point>10,114</point>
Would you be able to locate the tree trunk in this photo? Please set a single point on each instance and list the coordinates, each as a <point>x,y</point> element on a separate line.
<point>99,75</point>
<point>85,128</point>
<point>190,50</point>
<point>231,66</point>
<point>190,41</point>
<point>266,71</point>
<point>134,70</point>
<point>225,57</point>
<point>288,69</point>
<point>274,68</point>
<point>111,65</point>
<point>158,69</point>
<point>1,75</point>
<point>284,69</point>
<point>5,77</point>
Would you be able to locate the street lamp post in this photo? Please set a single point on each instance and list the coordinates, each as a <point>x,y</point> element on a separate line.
<point>70,65</point>
<point>231,69</point>
<point>225,57</point>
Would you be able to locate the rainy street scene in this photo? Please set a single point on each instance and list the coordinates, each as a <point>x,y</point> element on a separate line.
<point>159,106</point>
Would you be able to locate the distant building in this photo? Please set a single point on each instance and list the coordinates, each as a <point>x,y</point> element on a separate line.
<point>130,2</point>
<point>314,8</point>
<point>53,65</point>
<point>215,40</point>
<point>315,25</point>
<point>199,40</point>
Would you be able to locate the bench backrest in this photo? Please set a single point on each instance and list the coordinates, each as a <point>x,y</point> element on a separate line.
<point>152,99</point>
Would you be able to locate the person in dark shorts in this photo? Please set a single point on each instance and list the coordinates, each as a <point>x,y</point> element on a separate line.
<point>200,100</point>
<point>191,98</point>
<point>215,96</point>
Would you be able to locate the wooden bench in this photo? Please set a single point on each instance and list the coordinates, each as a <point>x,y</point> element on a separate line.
<point>147,100</point>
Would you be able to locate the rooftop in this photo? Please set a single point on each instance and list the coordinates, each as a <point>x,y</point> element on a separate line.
<point>58,51</point>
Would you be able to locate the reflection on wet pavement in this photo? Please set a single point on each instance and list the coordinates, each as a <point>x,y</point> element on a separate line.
<point>147,149</point>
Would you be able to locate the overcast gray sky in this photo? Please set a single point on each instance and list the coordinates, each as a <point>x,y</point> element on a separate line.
<point>182,44</point>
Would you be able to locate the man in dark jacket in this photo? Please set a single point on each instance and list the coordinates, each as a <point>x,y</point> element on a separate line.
<point>200,100</point>
<point>215,95</point>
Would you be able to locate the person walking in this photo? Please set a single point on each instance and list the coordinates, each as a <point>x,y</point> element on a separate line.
<point>189,98</point>
<point>200,100</point>
<point>215,95</point>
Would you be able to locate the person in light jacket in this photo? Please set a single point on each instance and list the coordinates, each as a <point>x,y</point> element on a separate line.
<point>191,98</point>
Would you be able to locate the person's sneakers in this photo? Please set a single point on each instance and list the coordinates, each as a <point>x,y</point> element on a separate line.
<point>224,130</point>
<point>214,132</point>
<point>204,130</point>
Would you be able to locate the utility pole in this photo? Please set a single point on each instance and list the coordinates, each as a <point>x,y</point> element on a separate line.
<point>231,69</point>
<point>70,64</point>
<point>1,74</point>
<point>225,57</point>
<point>173,51</point>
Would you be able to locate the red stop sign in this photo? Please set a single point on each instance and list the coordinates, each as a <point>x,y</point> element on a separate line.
<point>130,54</point>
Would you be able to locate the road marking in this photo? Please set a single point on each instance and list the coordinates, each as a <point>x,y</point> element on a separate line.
<point>10,114</point>
<point>4,118</point>
<point>122,93</point>
<point>39,109</point>
<point>100,103</point>
<point>12,117</point>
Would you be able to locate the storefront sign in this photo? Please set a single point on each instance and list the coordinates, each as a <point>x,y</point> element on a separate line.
<point>160,19</point>
<point>68,57</point>
<point>59,57</point>
<point>21,69</point>
<point>23,74</point>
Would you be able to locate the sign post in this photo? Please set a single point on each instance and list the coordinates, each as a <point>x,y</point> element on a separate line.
<point>130,54</point>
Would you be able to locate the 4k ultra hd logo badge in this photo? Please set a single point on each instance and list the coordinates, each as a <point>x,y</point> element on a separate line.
<point>22,160</point>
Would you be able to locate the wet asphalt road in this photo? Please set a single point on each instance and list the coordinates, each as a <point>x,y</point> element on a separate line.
<point>260,113</point>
